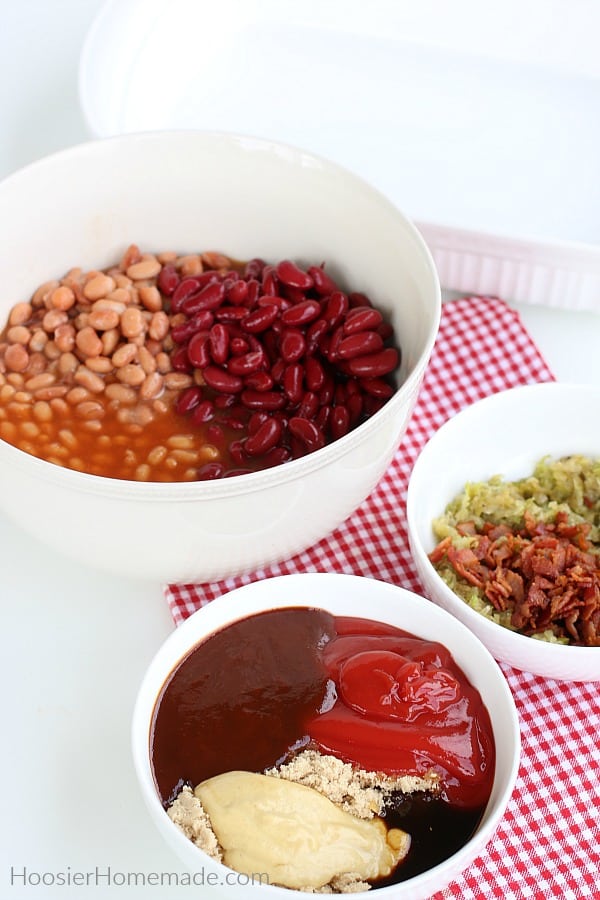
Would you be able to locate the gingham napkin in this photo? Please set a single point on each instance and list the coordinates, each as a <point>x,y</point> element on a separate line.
<point>548,844</point>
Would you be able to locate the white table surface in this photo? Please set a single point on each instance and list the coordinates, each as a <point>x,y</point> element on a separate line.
<point>76,642</point>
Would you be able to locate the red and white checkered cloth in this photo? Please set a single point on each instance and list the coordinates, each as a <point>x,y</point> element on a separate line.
<point>548,844</point>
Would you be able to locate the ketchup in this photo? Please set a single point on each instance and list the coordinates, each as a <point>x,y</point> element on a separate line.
<point>404,706</point>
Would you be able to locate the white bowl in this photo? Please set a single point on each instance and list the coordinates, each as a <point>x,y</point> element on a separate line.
<point>341,595</point>
<point>505,434</point>
<point>189,191</point>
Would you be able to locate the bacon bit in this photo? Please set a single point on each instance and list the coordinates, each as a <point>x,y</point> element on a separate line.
<point>439,552</point>
<point>467,528</point>
<point>467,565</point>
<point>494,532</point>
<point>544,574</point>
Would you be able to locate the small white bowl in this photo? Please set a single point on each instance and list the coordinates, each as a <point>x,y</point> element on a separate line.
<point>188,192</point>
<point>505,434</point>
<point>342,595</point>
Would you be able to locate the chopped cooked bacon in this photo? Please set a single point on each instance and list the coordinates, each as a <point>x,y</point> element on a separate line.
<point>440,551</point>
<point>545,574</point>
<point>465,528</point>
<point>467,565</point>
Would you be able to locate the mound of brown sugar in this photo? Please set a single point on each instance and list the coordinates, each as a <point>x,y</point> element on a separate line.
<point>357,791</point>
<point>187,813</point>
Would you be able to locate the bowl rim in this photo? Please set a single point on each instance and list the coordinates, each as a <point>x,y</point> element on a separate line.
<point>475,620</point>
<point>232,606</point>
<point>252,481</point>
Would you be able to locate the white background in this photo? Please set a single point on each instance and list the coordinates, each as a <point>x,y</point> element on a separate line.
<point>76,642</point>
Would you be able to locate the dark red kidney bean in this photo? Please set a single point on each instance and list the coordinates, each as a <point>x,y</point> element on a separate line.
<point>377,387</point>
<point>246,364</point>
<point>322,282</point>
<point>316,331</point>
<point>259,381</point>
<point>202,321</point>
<point>272,300</point>
<point>309,406</point>
<point>322,418</point>
<point>362,318</point>
<point>214,434</point>
<point>277,371</point>
<point>204,412</point>
<point>289,273</point>
<point>188,287</point>
<point>293,295</point>
<point>239,471</point>
<point>334,343</point>
<point>270,345</point>
<point>327,391</point>
<point>385,330</point>
<point>218,344</point>
<point>352,387</point>
<point>267,400</point>
<point>237,293</point>
<point>359,344</point>
<point>256,420</point>
<point>375,364</point>
<point>264,439</point>
<point>260,319</point>
<point>357,298</point>
<point>180,361</point>
<point>354,404</point>
<point>276,457</point>
<point>197,350</point>
<point>314,374</point>
<point>292,344</point>
<point>236,423</point>
<point>253,292</point>
<point>336,309</point>
<point>221,380</point>
<point>297,447</point>
<point>254,268</point>
<point>255,343</point>
<point>340,393</point>
<point>269,280</point>
<point>210,297</point>
<point>339,422</point>
<point>307,432</point>
<point>231,314</point>
<point>292,382</point>
<point>224,401</point>
<point>167,280</point>
<point>238,346</point>
<point>301,313</point>
<point>324,345</point>
<point>210,471</point>
<point>236,449</point>
<point>188,399</point>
